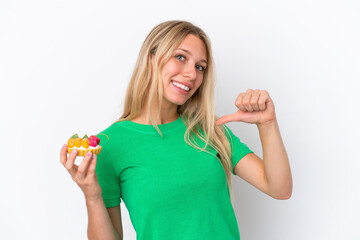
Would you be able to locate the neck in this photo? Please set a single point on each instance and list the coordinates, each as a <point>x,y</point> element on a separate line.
<point>168,113</point>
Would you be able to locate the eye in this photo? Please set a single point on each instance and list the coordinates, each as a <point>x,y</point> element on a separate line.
<point>180,57</point>
<point>200,68</point>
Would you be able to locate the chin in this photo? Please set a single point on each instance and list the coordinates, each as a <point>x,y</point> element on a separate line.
<point>178,102</point>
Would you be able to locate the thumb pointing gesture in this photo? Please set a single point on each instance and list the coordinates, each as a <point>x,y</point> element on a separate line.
<point>239,116</point>
<point>254,106</point>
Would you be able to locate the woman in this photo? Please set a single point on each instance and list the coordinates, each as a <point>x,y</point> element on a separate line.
<point>169,158</point>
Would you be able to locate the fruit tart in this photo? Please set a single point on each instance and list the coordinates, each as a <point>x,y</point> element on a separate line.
<point>84,144</point>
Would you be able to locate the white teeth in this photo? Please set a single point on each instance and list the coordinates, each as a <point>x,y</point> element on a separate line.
<point>181,86</point>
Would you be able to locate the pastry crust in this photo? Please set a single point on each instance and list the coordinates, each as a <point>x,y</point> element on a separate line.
<point>83,152</point>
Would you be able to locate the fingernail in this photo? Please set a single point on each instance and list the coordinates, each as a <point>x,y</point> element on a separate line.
<point>73,151</point>
<point>64,146</point>
<point>88,154</point>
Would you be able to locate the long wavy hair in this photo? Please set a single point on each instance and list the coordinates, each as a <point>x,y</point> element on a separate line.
<point>198,112</point>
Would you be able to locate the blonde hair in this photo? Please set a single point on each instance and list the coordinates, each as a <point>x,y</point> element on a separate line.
<point>198,112</point>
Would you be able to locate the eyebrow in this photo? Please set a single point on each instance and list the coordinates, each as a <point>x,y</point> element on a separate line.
<point>188,52</point>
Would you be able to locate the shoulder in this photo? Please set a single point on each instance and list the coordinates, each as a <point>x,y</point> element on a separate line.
<point>113,134</point>
<point>113,141</point>
<point>233,139</point>
<point>228,133</point>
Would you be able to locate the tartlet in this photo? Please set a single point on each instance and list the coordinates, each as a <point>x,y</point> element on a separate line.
<point>84,145</point>
<point>83,152</point>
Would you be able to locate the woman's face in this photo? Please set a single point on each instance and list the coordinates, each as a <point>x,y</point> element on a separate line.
<point>183,74</point>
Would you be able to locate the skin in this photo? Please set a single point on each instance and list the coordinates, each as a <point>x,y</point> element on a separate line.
<point>271,174</point>
<point>186,66</point>
<point>102,223</point>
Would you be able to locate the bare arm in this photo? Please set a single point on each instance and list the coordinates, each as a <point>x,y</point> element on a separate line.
<point>271,175</point>
<point>276,162</point>
<point>103,224</point>
<point>115,216</point>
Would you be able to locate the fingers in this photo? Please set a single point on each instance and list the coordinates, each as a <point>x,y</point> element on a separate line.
<point>92,167</point>
<point>246,101</point>
<point>84,167</point>
<point>69,164</point>
<point>63,155</point>
<point>226,119</point>
<point>239,101</point>
<point>262,100</point>
<point>252,100</point>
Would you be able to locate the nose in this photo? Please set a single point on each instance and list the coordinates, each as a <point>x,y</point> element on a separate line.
<point>189,72</point>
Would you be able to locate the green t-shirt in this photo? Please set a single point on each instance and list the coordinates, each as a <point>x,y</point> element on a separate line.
<point>171,190</point>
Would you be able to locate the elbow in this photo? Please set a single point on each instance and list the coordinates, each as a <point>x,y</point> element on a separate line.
<point>285,194</point>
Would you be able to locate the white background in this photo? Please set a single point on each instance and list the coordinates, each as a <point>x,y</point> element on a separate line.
<point>65,65</point>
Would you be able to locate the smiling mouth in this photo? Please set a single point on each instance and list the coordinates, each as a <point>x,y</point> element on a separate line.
<point>179,85</point>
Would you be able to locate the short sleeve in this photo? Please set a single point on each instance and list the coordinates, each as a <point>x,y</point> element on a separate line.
<point>238,149</point>
<point>108,180</point>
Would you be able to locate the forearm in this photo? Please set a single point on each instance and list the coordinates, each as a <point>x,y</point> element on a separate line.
<point>276,162</point>
<point>99,222</point>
